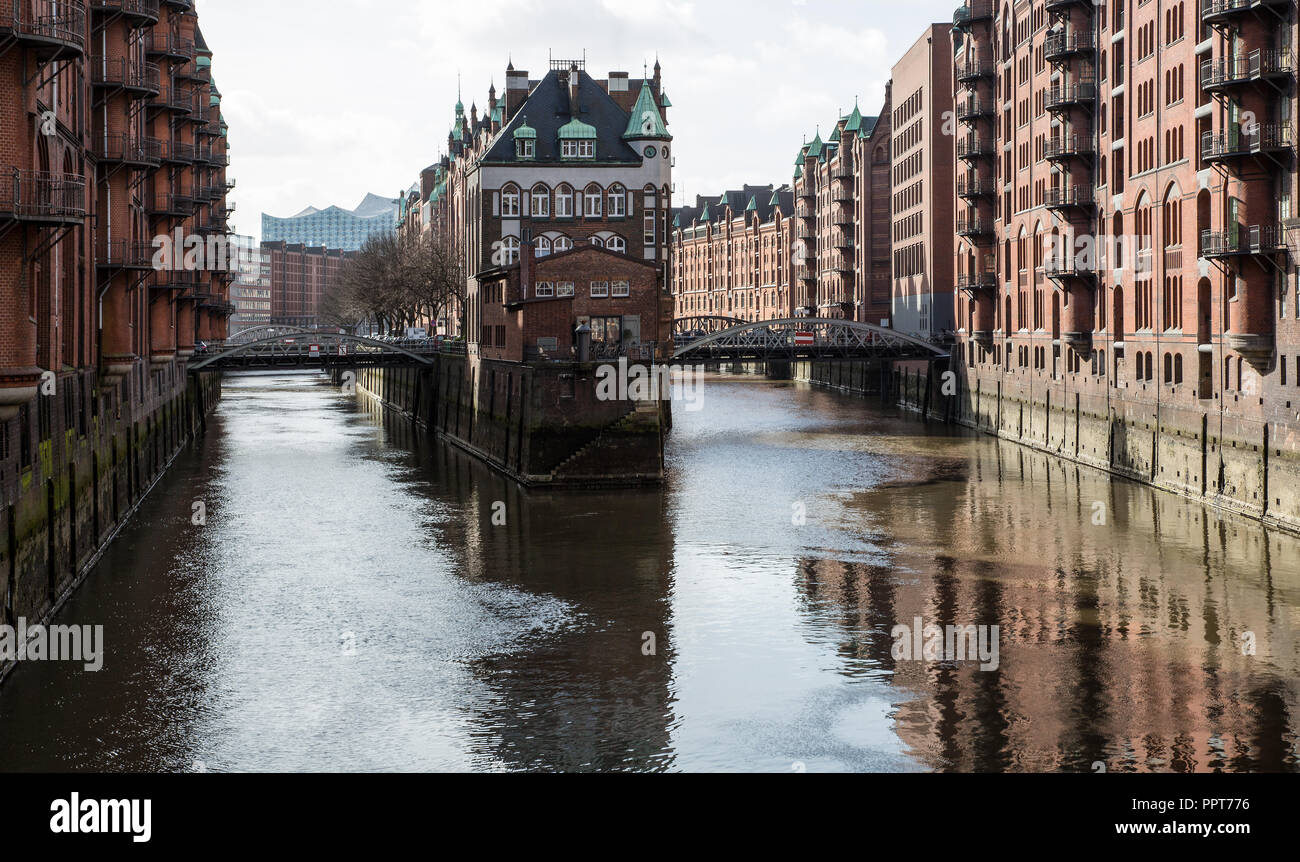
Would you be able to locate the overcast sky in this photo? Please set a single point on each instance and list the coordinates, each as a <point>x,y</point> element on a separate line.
<point>330,99</point>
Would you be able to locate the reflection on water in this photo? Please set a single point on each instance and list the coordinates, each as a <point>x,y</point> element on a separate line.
<point>353,605</point>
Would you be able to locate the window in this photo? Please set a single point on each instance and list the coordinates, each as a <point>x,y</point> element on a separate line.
<point>525,148</point>
<point>562,243</point>
<point>597,242</point>
<point>584,149</point>
<point>649,222</point>
<point>545,288</point>
<point>564,288</point>
<point>617,201</point>
<point>616,243</point>
<point>564,202</point>
<point>543,246</point>
<point>599,289</point>
<point>510,200</point>
<point>541,201</point>
<point>620,288</point>
<point>591,199</point>
<point>507,252</point>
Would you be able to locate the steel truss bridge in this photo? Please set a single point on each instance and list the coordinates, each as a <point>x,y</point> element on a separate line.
<point>289,347</point>
<point>795,338</point>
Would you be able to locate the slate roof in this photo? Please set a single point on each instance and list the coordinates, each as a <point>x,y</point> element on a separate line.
<point>547,110</point>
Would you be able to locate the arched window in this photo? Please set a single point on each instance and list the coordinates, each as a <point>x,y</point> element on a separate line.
<point>597,242</point>
<point>618,244</point>
<point>564,201</point>
<point>543,246</point>
<point>617,201</point>
<point>591,201</point>
<point>510,201</point>
<point>541,202</point>
<point>509,251</point>
<point>562,243</point>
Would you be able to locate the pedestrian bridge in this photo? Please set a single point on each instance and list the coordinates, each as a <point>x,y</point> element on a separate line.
<point>290,347</point>
<point>795,338</point>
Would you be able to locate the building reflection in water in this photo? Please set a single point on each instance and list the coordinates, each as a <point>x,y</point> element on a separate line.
<point>1115,648</point>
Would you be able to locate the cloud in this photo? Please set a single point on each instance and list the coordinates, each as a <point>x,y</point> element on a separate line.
<point>329,101</point>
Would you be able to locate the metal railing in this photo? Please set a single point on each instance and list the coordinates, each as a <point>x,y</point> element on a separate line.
<point>1247,140</point>
<point>1243,240</point>
<point>51,22</point>
<point>43,196</point>
<point>125,148</point>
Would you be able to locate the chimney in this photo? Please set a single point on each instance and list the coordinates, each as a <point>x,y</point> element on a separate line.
<point>620,90</point>
<point>516,91</point>
<point>575,107</point>
<point>526,262</point>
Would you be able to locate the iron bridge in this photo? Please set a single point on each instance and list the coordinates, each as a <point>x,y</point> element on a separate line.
<point>313,349</point>
<point>795,338</point>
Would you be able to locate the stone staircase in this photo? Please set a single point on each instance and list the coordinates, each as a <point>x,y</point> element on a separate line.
<point>641,418</point>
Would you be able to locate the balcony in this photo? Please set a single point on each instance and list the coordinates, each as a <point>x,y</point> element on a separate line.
<point>170,47</point>
<point>1243,241</point>
<point>122,74</point>
<point>842,192</point>
<point>973,12</point>
<point>124,149</point>
<point>974,148</point>
<point>136,11</point>
<point>171,206</point>
<point>1219,11</point>
<point>1068,198</point>
<point>807,192</point>
<point>43,198</point>
<point>47,27</point>
<point>172,98</point>
<point>803,272</point>
<point>804,210</point>
<point>1258,65</point>
<point>177,153</point>
<point>972,282</point>
<point>974,70</point>
<point>1066,96</point>
<point>1068,147</point>
<point>1238,143</point>
<point>1062,46</point>
<point>842,171</point>
<point>974,227</point>
<point>208,128</point>
<point>973,107</point>
<point>841,216</point>
<point>1060,269</point>
<point>970,188</point>
<point>839,239</point>
<point>842,264</point>
<point>124,254</point>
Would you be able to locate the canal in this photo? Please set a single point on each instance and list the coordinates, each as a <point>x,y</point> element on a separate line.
<point>359,598</point>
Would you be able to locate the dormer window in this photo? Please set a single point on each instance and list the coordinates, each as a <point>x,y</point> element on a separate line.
<point>525,141</point>
<point>578,149</point>
<point>577,140</point>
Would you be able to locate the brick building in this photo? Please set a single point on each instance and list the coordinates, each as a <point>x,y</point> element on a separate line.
<point>112,136</point>
<point>1138,170</point>
<point>922,153</point>
<point>731,255</point>
<point>298,277</point>
<point>558,163</point>
<point>817,248</point>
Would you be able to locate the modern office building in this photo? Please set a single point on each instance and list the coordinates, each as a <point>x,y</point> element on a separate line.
<point>251,291</point>
<point>334,227</point>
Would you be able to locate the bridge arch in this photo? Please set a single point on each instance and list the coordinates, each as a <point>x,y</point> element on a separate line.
<point>272,347</point>
<point>830,339</point>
